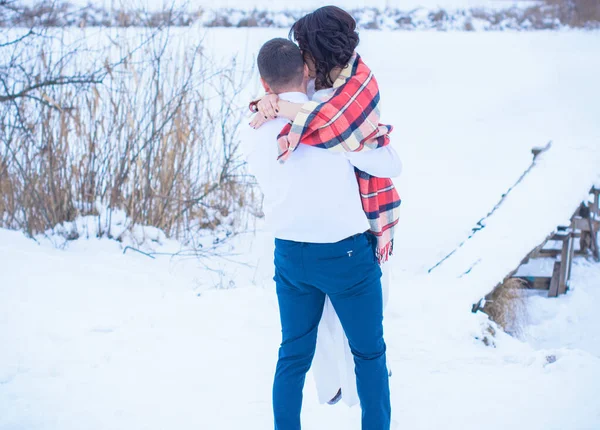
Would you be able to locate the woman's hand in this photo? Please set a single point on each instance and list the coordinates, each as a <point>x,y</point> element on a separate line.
<point>268,106</point>
<point>258,120</point>
<point>271,107</point>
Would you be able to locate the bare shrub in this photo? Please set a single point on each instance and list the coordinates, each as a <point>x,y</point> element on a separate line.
<point>438,16</point>
<point>506,305</point>
<point>577,13</point>
<point>405,22</point>
<point>220,20</point>
<point>550,14</point>
<point>155,137</point>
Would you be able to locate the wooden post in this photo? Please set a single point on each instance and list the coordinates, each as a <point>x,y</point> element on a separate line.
<point>581,224</point>
<point>553,291</point>
<point>574,236</point>
<point>565,263</point>
<point>596,205</point>
<point>594,236</point>
<point>537,150</point>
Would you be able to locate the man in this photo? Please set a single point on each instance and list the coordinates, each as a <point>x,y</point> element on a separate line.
<point>322,247</point>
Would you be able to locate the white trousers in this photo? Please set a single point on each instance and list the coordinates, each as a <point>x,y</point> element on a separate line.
<point>333,364</point>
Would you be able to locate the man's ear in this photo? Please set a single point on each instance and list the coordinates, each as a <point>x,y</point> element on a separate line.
<point>266,86</point>
<point>306,72</point>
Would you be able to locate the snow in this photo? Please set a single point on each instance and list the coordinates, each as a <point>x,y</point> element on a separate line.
<point>93,338</point>
<point>99,340</point>
<point>537,267</point>
<point>570,322</point>
<point>519,226</point>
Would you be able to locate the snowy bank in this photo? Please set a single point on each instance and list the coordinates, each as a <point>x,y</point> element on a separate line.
<point>457,16</point>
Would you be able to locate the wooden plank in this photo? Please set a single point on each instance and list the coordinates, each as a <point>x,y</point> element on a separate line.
<point>583,224</point>
<point>561,235</point>
<point>534,251</point>
<point>595,205</point>
<point>571,256</point>
<point>556,252</point>
<point>553,290</point>
<point>594,237</point>
<point>565,262</point>
<point>549,252</point>
<point>536,282</point>
<point>561,231</point>
<point>541,283</point>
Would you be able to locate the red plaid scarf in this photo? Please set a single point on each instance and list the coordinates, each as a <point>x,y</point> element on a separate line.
<point>349,121</point>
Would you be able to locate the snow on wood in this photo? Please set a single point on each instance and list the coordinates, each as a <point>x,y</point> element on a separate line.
<point>551,193</point>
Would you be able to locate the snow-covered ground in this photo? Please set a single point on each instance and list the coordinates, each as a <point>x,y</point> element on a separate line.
<point>554,324</point>
<point>99,340</point>
<point>91,338</point>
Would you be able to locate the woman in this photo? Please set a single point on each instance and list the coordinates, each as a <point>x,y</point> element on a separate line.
<point>328,39</point>
<point>344,114</point>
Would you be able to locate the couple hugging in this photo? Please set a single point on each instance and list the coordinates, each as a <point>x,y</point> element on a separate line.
<point>323,162</point>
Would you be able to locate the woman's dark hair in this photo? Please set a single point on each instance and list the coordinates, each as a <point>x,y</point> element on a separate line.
<point>328,35</point>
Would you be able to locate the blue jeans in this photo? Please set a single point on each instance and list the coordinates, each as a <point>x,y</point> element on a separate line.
<point>349,274</point>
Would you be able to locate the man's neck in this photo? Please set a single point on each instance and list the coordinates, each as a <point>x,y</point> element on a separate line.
<point>294,97</point>
<point>301,89</point>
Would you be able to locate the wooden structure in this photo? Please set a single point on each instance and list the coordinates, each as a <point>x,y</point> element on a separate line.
<point>584,228</point>
<point>516,243</point>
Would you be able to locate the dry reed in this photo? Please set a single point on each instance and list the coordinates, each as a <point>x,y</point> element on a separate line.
<point>506,306</point>
<point>157,139</point>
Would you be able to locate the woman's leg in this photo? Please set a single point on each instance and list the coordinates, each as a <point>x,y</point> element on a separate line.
<point>326,362</point>
<point>352,281</point>
<point>361,315</point>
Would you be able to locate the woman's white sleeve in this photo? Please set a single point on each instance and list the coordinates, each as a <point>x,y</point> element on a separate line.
<point>381,162</point>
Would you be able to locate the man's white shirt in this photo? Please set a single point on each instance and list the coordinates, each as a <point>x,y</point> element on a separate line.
<point>313,196</point>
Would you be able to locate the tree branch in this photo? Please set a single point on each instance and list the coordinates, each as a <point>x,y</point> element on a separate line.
<point>59,81</point>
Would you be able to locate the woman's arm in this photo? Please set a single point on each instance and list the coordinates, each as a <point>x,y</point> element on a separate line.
<point>348,120</point>
<point>380,162</point>
<point>271,106</point>
<point>289,110</point>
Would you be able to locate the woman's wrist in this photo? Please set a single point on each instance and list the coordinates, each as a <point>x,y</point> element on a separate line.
<point>289,110</point>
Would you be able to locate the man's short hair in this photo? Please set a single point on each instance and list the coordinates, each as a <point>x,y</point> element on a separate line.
<point>281,64</point>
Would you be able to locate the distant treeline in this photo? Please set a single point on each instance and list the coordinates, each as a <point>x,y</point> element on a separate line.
<point>553,14</point>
